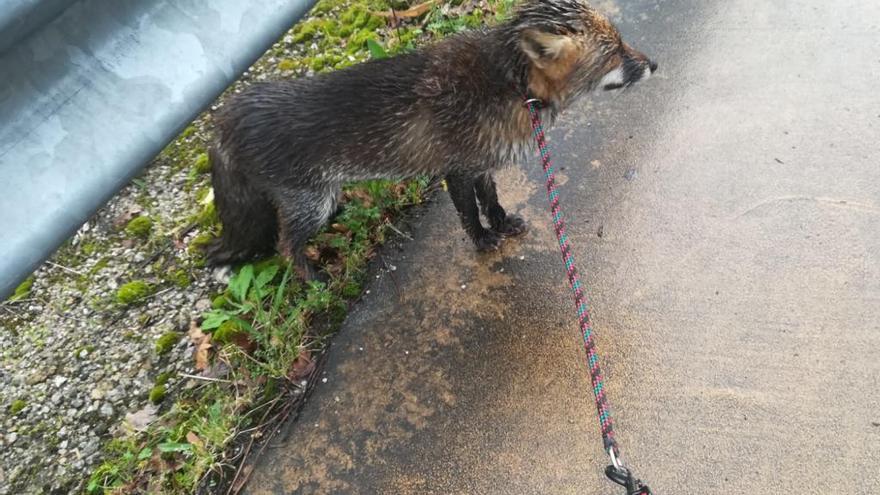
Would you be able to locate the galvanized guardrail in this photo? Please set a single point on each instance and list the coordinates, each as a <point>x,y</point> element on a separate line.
<point>92,90</point>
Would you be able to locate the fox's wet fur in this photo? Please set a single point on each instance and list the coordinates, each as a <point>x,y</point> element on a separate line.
<point>454,109</point>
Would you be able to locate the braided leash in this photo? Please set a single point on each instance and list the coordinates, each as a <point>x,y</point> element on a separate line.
<point>616,472</point>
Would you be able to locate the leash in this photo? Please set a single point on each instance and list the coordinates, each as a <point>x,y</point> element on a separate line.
<point>616,472</point>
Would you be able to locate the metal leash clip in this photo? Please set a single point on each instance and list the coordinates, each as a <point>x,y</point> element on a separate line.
<point>619,474</point>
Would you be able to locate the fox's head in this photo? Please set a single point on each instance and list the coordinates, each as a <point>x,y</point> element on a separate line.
<point>572,49</point>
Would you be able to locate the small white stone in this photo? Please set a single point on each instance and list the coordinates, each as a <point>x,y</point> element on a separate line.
<point>463,286</point>
<point>323,380</point>
<point>522,258</point>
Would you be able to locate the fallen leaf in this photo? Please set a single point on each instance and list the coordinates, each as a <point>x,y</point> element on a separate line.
<point>202,342</point>
<point>139,421</point>
<point>303,366</point>
<point>338,227</point>
<point>416,11</point>
<point>194,439</point>
<point>201,353</point>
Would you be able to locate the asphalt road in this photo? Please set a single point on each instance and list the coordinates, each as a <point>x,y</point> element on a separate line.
<point>726,216</point>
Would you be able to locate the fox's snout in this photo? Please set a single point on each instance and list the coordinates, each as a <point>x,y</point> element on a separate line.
<point>634,66</point>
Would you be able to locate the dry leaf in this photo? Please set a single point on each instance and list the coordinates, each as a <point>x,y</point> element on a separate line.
<point>194,439</point>
<point>412,12</point>
<point>303,366</point>
<point>201,353</point>
<point>202,342</point>
<point>338,227</point>
<point>139,421</point>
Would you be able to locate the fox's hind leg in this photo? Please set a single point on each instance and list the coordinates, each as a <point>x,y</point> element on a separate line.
<point>499,220</point>
<point>461,190</point>
<point>301,214</point>
<point>248,217</point>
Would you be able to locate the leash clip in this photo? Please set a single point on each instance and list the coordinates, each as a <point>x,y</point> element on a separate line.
<point>619,474</point>
<point>536,101</point>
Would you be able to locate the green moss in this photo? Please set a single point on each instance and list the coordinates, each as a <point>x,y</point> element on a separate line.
<point>228,331</point>
<point>166,342</point>
<point>157,393</point>
<point>305,31</point>
<point>288,64</point>
<point>179,277</point>
<point>139,227</point>
<point>89,248</point>
<point>202,164</point>
<point>199,242</point>
<point>189,131</point>
<point>100,265</point>
<point>208,217</point>
<point>133,291</point>
<point>317,63</point>
<point>163,377</point>
<point>23,289</point>
<point>351,290</point>
<point>358,41</point>
<point>16,406</point>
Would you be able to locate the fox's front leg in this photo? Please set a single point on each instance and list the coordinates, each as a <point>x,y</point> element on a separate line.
<point>461,190</point>
<point>499,220</point>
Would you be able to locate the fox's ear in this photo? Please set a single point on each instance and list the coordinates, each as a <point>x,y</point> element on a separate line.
<point>543,47</point>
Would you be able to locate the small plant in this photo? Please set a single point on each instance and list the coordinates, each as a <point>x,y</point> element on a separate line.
<point>139,227</point>
<point>167,341</point>
<point>23,289</point>
<point>17,406</point>
<point>133,292</point>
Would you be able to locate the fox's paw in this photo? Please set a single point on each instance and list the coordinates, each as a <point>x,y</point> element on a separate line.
<point>488,241</point>
<point>512,226</point>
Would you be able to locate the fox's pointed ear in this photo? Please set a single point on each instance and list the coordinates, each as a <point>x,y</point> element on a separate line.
<point>543,47</point>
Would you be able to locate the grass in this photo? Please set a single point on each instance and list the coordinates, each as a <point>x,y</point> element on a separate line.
<point>259,339</point>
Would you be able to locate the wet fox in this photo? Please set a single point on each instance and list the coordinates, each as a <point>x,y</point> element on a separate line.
<point>454,109</point>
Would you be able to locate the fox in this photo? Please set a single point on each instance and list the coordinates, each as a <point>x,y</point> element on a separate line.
<point>454,109</point>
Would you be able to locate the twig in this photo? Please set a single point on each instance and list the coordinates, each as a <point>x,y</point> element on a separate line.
<point>398,232</point>
<point>154,255</point>
<point>71,270</point>
<point>396,24</point>
<point>205,378</point>
<point>157,294</point>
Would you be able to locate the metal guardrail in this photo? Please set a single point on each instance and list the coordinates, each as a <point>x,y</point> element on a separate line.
<point>92,90</point>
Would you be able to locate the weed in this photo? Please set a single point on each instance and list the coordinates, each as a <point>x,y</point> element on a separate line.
<point>23,289</point>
